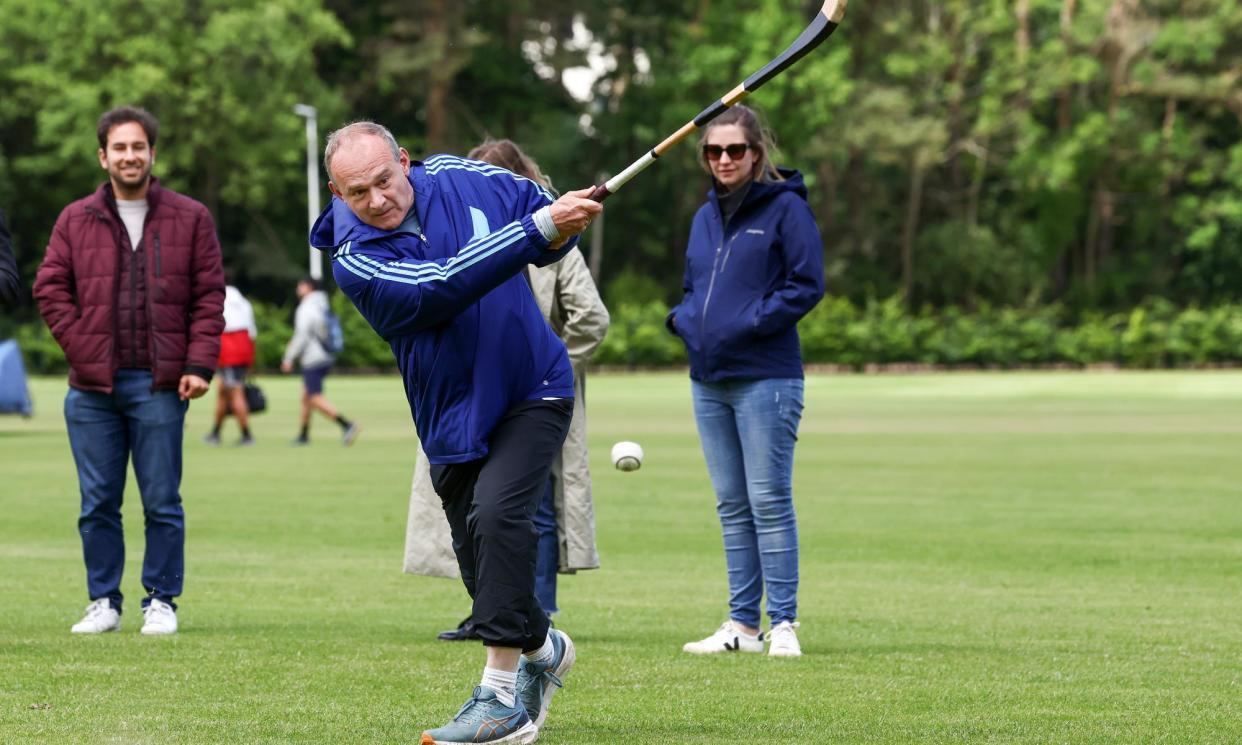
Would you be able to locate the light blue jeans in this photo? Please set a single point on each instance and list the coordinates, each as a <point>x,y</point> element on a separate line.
<point>748,429</point>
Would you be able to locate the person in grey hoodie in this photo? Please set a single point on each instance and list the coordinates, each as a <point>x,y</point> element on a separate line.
<point>308,349</point>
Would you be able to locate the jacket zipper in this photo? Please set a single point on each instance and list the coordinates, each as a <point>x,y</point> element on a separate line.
<point>133,303</point>
<point>151,317</point>
<point>116,280</point>
<point>718,266</point>
<point>711,284</point>
<point>729,251</point>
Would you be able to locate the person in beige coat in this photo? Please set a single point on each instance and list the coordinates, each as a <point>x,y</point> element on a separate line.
<point>567,295</point>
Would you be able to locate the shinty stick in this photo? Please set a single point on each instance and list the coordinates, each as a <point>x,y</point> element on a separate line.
<point>821,28</point>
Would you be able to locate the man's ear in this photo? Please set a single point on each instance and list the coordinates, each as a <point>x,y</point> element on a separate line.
<point>404,158</point>
<point>103,159</point>
<point>335,191</point>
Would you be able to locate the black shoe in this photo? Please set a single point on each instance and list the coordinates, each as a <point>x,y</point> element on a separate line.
<point>465,631</point>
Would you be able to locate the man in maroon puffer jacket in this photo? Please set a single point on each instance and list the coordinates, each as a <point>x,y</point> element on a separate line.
<point>133,290</point>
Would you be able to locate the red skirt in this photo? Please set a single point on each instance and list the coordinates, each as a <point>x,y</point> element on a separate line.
<point>236,349</point>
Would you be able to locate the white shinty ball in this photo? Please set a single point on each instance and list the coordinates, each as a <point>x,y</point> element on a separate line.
<point>627,456</point>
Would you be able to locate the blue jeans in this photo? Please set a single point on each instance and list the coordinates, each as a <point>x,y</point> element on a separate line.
<point>104,431</point>
<point>547,558</point>
<point>748,429</point>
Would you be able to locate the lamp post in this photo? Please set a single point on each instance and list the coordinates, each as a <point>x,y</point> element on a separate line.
<point>312,182</point>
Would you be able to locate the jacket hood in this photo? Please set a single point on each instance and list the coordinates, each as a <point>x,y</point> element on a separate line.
<point>335,225</point>
<point>338,223</point>
<point>761,191</point>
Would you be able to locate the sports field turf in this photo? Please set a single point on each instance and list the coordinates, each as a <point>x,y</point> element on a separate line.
<point>985,558</point>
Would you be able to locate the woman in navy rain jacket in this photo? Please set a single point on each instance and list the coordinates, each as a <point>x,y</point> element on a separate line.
<point>754,267</point>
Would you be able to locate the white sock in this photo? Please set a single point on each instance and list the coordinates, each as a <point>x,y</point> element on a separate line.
<point>545,653</point>
<point>503,682</point>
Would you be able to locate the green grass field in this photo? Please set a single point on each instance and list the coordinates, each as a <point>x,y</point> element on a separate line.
<point>985,558</point>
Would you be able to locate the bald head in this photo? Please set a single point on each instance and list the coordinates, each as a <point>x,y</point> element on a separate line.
<point>367,170</point>
<point>351,131</point>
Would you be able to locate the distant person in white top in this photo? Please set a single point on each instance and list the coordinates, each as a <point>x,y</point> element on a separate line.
<point>236,358</point>
<point>308,350</point>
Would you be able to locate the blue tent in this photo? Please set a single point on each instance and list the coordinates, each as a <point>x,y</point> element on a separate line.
<point>14,396</point>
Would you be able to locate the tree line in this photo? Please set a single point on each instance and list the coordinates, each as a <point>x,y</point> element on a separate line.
<point>960,154</point>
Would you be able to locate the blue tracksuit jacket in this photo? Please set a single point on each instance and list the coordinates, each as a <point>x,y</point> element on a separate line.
<point>452,303</point>
<point>748,283</point>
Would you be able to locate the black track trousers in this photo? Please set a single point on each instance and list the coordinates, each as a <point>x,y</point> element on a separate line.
<point>489,503</point>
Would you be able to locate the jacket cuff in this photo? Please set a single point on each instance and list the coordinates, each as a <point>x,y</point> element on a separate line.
<point>545,223</point>
<point>668,322</point>
<point>534,234</point>
<point>540,255</point>
<point>203,372</point>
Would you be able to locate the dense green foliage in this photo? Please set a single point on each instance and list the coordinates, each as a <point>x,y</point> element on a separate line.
<point>985,558</point>
<point>221,75</point>
<point>960,154</point>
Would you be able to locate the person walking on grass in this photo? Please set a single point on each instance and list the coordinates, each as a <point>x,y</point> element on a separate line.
<point>432,254</point>
<point>132,288</point>
<point>565,517</point>
<point>236,358</point>
<point>309,349</point>
<point>754,267</point>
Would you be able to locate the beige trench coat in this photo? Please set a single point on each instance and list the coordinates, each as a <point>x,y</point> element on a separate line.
<point>570,301</point>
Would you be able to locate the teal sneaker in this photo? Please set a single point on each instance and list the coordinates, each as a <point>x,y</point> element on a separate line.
<point>537,682</point>
<point>485,719</point>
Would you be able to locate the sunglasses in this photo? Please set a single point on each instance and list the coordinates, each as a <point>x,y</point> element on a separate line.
<point>713,152</point>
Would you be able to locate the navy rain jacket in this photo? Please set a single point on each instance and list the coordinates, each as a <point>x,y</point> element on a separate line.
<point>748,283</point>
<point>452,303</point>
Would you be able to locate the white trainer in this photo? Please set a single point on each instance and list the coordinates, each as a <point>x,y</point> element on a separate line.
<point>784,638</point>
<point>161,618</point>
<point>100,617</point>
<point>728,638</point>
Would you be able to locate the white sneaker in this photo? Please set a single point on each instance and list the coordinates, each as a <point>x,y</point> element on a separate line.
<point>728,638</point>
<point>100,617</point>
<point>784,638</point>
<point>161,618</point>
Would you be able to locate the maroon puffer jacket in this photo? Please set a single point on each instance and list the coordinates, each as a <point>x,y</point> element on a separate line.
<point>77,284</point>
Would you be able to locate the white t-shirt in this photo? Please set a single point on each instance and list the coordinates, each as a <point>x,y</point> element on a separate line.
<point>238,313</point>
<point>133,214</point>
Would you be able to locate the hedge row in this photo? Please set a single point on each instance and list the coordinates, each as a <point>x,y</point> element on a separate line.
<point>839,332</point>
<point>842,333</point>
